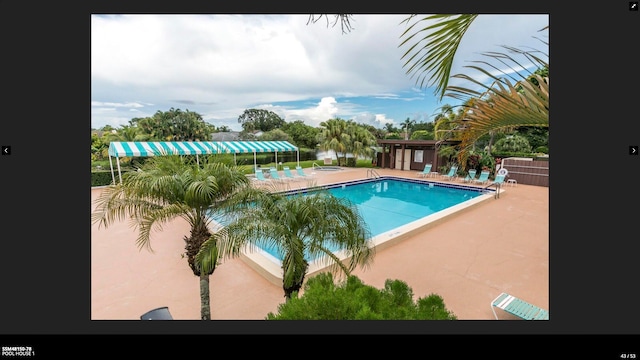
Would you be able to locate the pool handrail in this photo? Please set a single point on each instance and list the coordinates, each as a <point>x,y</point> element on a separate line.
<point>372,173</point>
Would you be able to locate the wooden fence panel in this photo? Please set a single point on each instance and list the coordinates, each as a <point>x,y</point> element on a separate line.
<point>528,172</point>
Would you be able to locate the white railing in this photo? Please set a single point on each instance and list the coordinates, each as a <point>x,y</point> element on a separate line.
<point>372,173</point>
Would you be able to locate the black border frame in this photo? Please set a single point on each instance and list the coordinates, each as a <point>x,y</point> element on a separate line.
<point>594,258</point>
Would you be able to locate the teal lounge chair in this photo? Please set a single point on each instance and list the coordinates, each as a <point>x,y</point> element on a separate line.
<point>483,178</point>
<point>301,172</point>
<point>275,176</point>
<point>452,173</point>
<point>499,180</point>
<point>471,175</point>
<point>426,171</point>
<point>260,176</point>
<point>288,174</point>
<point>518,307</point>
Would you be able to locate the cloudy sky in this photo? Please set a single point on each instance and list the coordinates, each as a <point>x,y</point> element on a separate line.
<point>221,65</point>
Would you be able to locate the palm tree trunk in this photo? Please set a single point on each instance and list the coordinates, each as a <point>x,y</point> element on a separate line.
<point>490,142</point>
<point>199,234</point>
<point>205,301</point>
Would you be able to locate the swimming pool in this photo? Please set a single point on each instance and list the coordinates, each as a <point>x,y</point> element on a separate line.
<point>387,204</point>
<point>393,208</point>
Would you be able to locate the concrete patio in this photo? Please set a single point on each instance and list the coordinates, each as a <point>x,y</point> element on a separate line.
<point>501,245</point>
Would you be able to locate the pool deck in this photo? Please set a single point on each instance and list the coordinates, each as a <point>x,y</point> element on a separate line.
<point>500,245</point>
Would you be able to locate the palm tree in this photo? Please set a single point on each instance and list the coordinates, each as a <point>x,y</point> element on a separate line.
<point>362,141</point>
<point>516,96</point>
<point>389,127</point>
<point>127,133</point>
<point>301,227</point>
<point>443,122</point>
<point>334,136</point>
<point>407,125</point>
<point>435,58</point>
<point>170,187</point>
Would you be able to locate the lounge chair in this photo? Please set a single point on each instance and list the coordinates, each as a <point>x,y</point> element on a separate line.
<point>483,178</point>
<point>471,175</point>
<point>452,173</point>
<point>499,179</point>
<point>288,174</point>
<point>275,176</point>
<point>518,307</point>
<point>426,171</point>
<point>301,172</point>
<point>260,176</point>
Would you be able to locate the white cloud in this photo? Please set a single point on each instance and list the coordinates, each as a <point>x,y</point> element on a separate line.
<point>221,65</point>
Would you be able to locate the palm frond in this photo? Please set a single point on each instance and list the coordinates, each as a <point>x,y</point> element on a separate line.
<point>503,106</point>
<point>430,58</point>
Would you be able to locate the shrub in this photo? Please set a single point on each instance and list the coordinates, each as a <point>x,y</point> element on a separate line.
<point>353,300</point>
<point>422,135</point>
<point>393,136</point>
<point>542,149</point>
<point>103,177</point>
<point>513,143</point>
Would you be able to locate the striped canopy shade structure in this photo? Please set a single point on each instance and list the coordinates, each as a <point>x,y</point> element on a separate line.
<point>120,149</point>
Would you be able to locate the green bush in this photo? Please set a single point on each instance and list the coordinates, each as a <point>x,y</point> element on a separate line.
<point>514,143</point>
<point>542,149</point>
<point>422,135</point>
<point>103,177</point>
<point>353,300</point>
<point>393,136</point>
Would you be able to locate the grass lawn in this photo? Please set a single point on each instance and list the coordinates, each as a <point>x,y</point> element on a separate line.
<point>246,164</point>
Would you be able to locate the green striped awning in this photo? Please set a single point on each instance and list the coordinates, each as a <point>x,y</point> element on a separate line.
<point>137,148</point>
<point>142,148</point>
<point>120,149</point>
<point>237,147</point>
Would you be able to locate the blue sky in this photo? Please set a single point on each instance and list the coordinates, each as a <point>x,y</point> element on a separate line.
<point>221,65</point>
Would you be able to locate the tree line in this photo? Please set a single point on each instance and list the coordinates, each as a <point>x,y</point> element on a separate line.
<point>340,135</point>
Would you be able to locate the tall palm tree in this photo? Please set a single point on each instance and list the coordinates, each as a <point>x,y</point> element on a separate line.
<point>170,187</point>
<point>335,136</point>
<point>407,125</point>
<point>361,142</point>
<point>300,227</point>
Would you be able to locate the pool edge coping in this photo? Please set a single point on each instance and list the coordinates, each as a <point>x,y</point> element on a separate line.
<point>270,268</point>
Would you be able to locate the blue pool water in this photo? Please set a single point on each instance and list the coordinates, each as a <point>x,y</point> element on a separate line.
<point>386,204</point>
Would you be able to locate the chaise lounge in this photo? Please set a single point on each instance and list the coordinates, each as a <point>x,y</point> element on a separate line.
<point>518,307</point>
